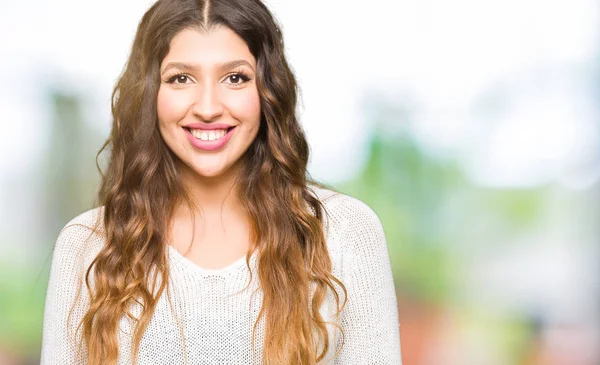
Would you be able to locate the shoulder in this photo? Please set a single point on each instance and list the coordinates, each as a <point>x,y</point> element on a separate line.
<point>347,212</point>
<point>355,237</point>
<point>81,237</point>
<point>351,224</point>
<point>84,223</point>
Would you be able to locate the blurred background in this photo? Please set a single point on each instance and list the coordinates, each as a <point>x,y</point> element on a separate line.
<point>471,127</point>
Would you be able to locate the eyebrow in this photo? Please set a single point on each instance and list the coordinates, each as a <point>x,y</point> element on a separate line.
<point>187,67</point>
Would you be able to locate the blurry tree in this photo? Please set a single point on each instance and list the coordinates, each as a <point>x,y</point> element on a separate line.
<point>436,222</point>
<point>408,192</point>
<point>71,174</point>
<point>432,213</point>
<point>67,182</point>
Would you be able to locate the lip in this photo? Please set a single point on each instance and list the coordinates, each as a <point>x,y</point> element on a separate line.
<point>210,126</point>
<point>215,145</point>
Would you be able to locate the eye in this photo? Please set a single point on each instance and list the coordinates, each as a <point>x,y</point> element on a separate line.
<point>179,79</point>
<point>237,78</point>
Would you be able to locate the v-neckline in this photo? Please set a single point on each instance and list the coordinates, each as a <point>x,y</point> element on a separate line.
<point>232,267</point>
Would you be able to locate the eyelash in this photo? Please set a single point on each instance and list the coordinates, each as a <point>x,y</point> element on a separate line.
<point>243,78</point>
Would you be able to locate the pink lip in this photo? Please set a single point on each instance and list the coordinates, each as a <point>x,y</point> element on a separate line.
<point>211,126</point>
<point>217,144</point>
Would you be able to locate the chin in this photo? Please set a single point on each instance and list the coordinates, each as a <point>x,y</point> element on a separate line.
<point>209,171</point>
<point>204,172</point>
<point>208,174</point>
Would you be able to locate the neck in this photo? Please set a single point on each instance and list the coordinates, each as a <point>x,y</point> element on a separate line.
<point>215,194</point>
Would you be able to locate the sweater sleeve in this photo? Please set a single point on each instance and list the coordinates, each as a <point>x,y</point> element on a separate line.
<point>65,293</point>
<point>370,318</point>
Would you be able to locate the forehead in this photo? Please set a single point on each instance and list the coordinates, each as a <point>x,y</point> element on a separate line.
<point>218,45</point>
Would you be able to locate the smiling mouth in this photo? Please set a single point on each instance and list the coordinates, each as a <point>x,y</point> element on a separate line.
<point>208,135</point>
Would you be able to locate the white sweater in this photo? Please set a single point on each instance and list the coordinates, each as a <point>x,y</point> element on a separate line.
<point>217,322</point>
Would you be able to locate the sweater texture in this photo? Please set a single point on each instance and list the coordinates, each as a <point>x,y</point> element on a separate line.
<point>212,311</point>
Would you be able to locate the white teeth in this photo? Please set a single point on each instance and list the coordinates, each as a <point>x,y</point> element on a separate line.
<point>208,135</point>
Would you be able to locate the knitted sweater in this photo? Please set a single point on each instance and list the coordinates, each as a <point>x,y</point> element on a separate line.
<point>209,309</point>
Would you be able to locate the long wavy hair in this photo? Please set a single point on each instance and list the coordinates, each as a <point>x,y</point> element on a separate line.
<point>142,178</point>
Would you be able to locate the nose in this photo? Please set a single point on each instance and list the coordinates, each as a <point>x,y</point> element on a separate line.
<point>208,105</point>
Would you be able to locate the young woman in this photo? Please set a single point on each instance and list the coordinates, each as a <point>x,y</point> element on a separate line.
<point>210,245</point>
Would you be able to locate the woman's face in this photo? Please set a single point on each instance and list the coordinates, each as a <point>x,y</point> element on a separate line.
<point>208,105</point>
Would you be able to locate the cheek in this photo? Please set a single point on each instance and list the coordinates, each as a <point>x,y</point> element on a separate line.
<point>170,107</point>
<point>246,107</point>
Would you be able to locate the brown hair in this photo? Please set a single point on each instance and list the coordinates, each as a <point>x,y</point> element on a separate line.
<point>142,178</point>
